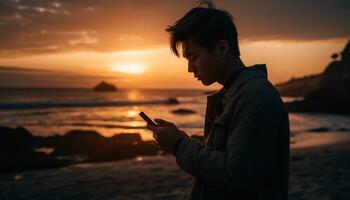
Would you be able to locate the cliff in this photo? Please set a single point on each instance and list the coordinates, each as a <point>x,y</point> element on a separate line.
<point>333,92</point>
<point>299,87</point>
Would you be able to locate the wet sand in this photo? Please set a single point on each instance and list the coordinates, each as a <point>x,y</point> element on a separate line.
<point>320,169</point>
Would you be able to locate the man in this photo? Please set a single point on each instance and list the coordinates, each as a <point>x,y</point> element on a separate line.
<point>245,152</point>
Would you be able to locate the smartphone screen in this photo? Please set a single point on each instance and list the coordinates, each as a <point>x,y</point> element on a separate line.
<point>147,119</point>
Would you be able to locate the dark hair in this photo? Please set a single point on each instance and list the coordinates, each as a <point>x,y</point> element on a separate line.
<point>206,26</point>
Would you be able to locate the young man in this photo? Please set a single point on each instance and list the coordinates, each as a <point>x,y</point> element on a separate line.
<point>245,152</point>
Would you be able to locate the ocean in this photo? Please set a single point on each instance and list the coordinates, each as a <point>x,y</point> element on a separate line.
<point>55,111</point>
<point>46,112</point>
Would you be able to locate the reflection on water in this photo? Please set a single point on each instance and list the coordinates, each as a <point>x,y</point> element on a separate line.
<point>124,119</point>
<point>291,99</point>
<point>132,113</point>
<point>314,139</point>
<point>139,158</point>
<point>133,95</point>
<point>45,150</point>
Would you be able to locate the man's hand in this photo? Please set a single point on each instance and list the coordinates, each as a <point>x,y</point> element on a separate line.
<point>166,134</point>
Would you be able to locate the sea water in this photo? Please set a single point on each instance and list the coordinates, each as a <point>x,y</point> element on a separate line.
<point>52,111</point>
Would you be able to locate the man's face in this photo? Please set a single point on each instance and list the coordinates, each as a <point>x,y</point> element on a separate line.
<point>204,65</point>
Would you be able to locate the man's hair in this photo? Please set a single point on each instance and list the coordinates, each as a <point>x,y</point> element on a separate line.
<point>206,26</point>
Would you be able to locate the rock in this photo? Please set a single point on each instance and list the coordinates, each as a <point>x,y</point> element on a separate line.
<point>183,111</point>
<point>297,158</point>
<point>172,100</point>
<point>17,152</point>
<point>333,92</point>
<point>339,106</point>
<point>299,87</point>
<point>77,142</point>
<point>336,77</point>
<point>30,160</point>
<point>105,87</point>
<point>335,80</point>
<point>98,148</point>
<point>18,139</point>
<point>131,138</point>
<point>18,149</point>
<point>320,129</point>
<point>343,129</point>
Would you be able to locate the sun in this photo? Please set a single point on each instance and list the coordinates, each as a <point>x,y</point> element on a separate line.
<point>128,68</point>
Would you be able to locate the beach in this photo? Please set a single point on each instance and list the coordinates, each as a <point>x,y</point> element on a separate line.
<point>320,146</point>
<point>320,167</point>
<point>82,81</point>
<point>318,170</point>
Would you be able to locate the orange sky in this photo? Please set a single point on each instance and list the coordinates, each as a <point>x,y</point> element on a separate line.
<point>78,44</point>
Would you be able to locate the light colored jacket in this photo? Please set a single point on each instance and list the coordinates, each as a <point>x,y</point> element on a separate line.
<point>245,154</point>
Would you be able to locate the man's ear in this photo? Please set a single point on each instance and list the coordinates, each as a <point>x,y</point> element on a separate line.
<point>222,48</point>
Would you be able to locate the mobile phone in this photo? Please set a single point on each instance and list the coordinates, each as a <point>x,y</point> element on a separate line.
<point>147,119</point>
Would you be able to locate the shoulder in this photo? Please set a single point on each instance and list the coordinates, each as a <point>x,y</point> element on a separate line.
<point>256,96</point>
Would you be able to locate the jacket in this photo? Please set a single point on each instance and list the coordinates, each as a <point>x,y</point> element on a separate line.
<point>245,153</point>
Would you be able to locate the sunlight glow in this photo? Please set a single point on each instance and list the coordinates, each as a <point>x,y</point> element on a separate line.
<point>128,68</point>
<point>132,113</point>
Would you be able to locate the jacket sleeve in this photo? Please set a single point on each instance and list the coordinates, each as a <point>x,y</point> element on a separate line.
<point>249,157</point>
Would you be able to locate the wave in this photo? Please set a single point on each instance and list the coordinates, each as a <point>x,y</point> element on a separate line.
<point>102,125</point>
<point>45,105</point>
<point>34,113</point>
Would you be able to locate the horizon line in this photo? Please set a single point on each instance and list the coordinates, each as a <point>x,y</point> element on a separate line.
<point>91,88</point>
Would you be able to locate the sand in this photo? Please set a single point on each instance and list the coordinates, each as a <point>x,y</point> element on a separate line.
<point>320,169</point>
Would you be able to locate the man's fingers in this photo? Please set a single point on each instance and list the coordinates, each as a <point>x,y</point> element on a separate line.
<point>152,128</point>
<point>155,136</point>
<point>155,129</point>
<point>162,122</point>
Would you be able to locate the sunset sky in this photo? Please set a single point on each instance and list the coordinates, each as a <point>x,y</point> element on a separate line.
<point>71,43</point>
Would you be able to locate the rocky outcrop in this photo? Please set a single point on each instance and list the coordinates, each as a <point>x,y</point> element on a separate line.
<point>98,148</point>
<point>299,87</point>
<point>17,152</point>
<point>105,87</point>
<point>18,149</point>
<point>183,111</point>
<point>173,100</point>
<point>336,77</point>
<point>333,93</point>
<point>18,139</point>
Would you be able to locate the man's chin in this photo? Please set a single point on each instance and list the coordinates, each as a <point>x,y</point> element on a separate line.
<point>206,83</point>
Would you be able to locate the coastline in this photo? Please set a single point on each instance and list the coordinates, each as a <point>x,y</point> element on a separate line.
<point>316,172</point>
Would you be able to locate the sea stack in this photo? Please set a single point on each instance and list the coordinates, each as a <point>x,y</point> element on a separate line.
<point>105,87</point>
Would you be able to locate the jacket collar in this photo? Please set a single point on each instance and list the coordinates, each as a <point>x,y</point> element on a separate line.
<point>254,71</point>
<point>258,70</point>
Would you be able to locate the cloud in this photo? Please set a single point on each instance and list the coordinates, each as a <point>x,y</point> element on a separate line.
<point>36,71</point>
<point>11,69</point>
<point>41,26</point>
<point>291,20</point>
<point>30,77</point>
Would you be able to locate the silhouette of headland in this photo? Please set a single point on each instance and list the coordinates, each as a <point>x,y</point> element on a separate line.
<point>328,92</point>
